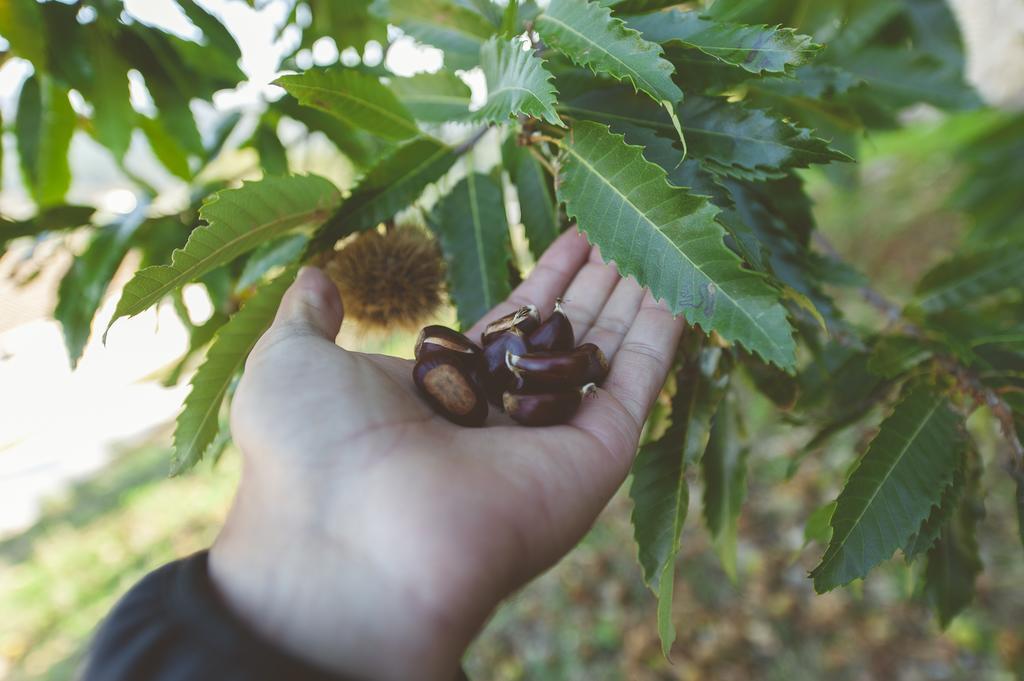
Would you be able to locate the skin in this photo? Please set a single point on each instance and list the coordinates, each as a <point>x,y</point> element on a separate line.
<point>373,538</point>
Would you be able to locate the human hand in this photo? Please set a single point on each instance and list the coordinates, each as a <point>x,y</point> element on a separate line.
<point>373,538</point>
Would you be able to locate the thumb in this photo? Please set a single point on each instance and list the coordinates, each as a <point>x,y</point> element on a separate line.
<point>311,304</point>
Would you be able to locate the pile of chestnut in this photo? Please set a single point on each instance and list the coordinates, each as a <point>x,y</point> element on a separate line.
<point>530,369</point>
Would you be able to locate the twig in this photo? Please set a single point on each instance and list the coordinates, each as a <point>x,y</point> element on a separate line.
<point>471,142</point>
<point>543,161</point>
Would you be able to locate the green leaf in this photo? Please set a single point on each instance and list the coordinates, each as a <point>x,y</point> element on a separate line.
<point>590,36</point>
<point>270,256</point>
<point>215,35</point>
<point>510,20</point>
<point>893,356</point>
<point>471,225</point>
<point>170,81</point>
<point>273,156</point>
<point>433,97</point>
<point>517,83</point>
<point>354,97</point>
<point>114,117</point>
<point>894,487</point>
<point>724,470</point>
<point>925,537</point>
<point>362,148</point>
<point>536,197</point>
<point>962,280</point>
<point>770,223</point>
<point>199,337</point>
<point>637,6</point>
<point>51,219</point>
<point>954,562</point>
<point>198,422</point>
<point>44,125</point>
<point>82,288</point>
<point>819,525</point>
<point>669,241</point>
<point>67,57</point>
<point>390,186</point>
<point>166,147</point>
<point>350,24</point>
<point>659,489</point>
<point>21,23</point>
<point>222,129</point>
<point>238,220</point>
<point>904,77</point>
<point>757,49</point>
<point>778,386</point>
<point>445,24</point>
<point>730,138</point>
<point>1020,505</point>
<point>734,137</point>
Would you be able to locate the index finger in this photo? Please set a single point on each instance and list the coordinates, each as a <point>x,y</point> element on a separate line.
<point>548,280</point>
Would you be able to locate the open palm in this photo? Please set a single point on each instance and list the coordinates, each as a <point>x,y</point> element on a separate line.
<point>408,512</point>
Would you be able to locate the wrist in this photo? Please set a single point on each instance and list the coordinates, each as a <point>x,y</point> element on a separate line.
<point>304,592</point>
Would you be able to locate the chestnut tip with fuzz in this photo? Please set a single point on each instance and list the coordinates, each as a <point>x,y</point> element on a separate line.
<point>497,377</point>
<point>526,319</point>
<point>554,334</point>
<point>545,409</point>
<point>451,390</point>
<point>440,339</point>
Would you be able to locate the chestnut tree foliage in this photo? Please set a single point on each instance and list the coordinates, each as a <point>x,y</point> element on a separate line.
<point>673,135</point>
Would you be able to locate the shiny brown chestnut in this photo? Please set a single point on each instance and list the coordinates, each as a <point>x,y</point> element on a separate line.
<point>451,390</point>
<point>497,376</point>
<point>555,333</point>
<point>526,319</point>
<point>585,364</point>
<point>442,340</point>
<point>545,409</point>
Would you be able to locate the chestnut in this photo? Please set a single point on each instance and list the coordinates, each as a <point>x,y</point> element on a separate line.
<point>437,339</point>
<point>497,376</point>
<point>451,390</point>
<point>545,409</point>
<point>526,319</point>
<point>585,364</point>
<point>554,334</point>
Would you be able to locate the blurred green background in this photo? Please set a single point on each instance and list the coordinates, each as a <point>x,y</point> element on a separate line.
<point>591,617</point>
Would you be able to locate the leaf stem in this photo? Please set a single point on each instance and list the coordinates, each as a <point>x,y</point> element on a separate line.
<point>543,161</point>
<point>472,141</point>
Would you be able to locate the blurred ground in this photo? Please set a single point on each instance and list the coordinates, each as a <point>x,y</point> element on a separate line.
<point>588,618</point>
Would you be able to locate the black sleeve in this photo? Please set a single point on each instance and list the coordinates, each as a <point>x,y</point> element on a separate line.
<point>173,626</point>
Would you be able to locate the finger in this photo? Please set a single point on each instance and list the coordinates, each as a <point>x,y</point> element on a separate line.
<point>589,291</point>
<point>616,318</point>
<point>311,305</point>
<point>641,364</point>
<point>547,281</point>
